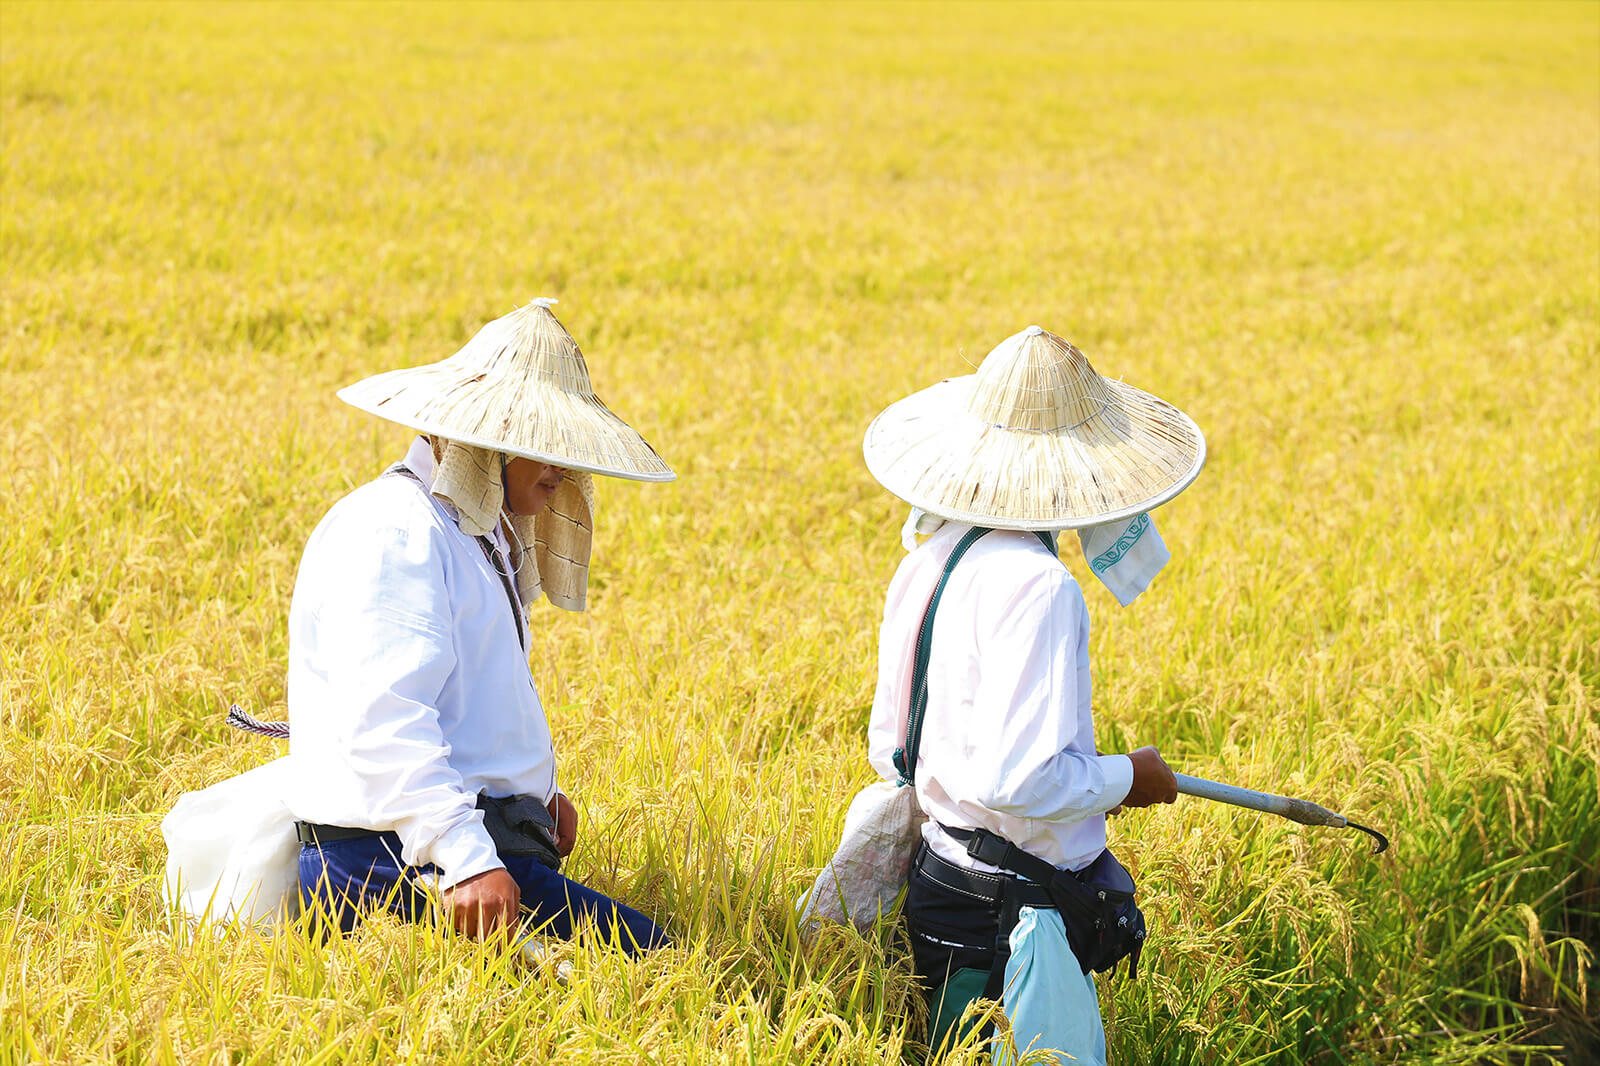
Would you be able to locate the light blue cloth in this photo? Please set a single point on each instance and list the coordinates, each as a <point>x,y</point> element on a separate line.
<point>1050,1000</point>
<point>1125,556</point>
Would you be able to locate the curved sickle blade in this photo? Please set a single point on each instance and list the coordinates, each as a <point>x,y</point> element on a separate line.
<point>1381,842</point>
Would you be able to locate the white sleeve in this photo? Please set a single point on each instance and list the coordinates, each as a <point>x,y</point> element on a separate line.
<point>371,651</point>
<point>887,725</point>
<point>891,701</point>
<point>1038,759</point>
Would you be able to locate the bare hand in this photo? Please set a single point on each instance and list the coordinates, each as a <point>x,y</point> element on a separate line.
<point>484,904</point>
<point>1152,779</point>
<point>566,816</point>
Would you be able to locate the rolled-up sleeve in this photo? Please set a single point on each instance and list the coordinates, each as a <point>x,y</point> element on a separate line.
<point>372,647</point>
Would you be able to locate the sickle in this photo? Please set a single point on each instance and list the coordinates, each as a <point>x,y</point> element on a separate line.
<point>1296,810</point>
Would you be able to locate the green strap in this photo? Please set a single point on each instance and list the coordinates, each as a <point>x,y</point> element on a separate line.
<point>905,759</point>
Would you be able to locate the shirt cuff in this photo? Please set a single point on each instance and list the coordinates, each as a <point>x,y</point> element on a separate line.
<point>466,851</point>
<point>1119,781</point>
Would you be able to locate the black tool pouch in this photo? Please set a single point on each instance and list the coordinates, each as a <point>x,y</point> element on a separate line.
<point>520,825</point>
<point>1104,925</point>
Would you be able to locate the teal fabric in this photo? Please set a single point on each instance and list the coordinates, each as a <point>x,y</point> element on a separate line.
<point>905,759</point>
<point>949,1001</point>
<point>1050,1001</point>
<point>1124,544</point>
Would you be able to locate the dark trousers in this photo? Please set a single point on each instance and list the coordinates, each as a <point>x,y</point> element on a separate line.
<point>949,931</point>
<point>959,946</point>
<point>343,879</point>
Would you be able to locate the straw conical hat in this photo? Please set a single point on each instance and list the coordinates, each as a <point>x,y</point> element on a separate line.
<point>520,387</point>
<point>1034,440</point>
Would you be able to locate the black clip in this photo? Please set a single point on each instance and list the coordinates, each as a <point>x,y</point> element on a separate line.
<point>986,847</point>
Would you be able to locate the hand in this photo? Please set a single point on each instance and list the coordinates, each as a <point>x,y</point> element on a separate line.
<point>483,904</point>
<point>566,816</point>
<point>1152,779</point>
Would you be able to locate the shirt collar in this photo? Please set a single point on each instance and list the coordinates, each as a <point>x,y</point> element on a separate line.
<point>951,529</point>
<point>420,461</point>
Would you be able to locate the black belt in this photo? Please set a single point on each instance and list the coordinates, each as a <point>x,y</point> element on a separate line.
<point>990,888</point>
<point>517,825</point>
<point>312,834</point>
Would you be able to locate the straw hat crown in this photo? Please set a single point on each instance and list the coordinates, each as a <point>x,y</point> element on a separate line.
<point>1037,381</point>
<point>1036,439</point>
<point>521,387</point>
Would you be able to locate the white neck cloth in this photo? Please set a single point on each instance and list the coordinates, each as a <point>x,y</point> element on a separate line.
<point>1125,556</point>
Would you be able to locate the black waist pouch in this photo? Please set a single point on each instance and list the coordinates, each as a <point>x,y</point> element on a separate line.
<point>520,825</point>
<point>1104,925</point>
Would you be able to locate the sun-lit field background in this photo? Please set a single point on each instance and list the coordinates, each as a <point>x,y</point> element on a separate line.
<point>1360,245</point>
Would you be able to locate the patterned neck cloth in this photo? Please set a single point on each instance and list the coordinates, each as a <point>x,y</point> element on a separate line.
<point>1125,556</point>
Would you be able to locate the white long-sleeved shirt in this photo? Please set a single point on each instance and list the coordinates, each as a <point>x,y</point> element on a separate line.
<point>1008,738</point>
<point>409,687</point>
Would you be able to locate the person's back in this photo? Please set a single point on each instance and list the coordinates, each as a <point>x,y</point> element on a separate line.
<point>1008,737</point>
<point>1006,767</point>
<point>408,684</point>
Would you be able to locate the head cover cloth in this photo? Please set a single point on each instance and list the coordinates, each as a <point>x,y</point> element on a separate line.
<point>1036,439</point>
<point>549,550</point>
<point>520,387</point>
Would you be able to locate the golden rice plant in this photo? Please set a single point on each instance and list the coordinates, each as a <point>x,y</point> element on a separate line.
<point>1360,245</point>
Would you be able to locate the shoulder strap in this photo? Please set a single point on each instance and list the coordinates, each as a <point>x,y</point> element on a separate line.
<point>905,759</point>
<point>489,553</point>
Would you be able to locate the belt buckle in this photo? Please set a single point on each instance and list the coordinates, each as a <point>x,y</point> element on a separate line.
<point>986,847</point>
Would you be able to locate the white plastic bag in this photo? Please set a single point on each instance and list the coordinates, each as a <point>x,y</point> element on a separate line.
<point>863,879</point>
<point>232,854</point>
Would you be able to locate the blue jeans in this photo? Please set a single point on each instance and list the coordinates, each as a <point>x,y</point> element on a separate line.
<point>344,878</point>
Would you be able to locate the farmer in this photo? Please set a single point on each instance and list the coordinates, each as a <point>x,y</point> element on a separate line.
<point>422,755</point>
<point>993,465</point>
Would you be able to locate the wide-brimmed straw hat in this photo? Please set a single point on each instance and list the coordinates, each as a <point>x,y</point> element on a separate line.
<point>1036,439</point>
<point>520,387</point>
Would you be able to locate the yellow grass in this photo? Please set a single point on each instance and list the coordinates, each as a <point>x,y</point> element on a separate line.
<point>1360,245</point>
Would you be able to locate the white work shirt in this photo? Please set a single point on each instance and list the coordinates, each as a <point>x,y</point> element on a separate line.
<point>1008,738</point>
<point>409,687</point>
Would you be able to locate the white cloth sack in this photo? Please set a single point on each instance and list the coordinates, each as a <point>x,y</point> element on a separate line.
<point>863,879</point>
<point>232,854</point>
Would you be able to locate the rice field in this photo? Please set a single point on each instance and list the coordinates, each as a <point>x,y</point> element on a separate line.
<point>1359,244</point>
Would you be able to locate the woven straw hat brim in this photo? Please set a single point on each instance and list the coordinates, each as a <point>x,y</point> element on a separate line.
<point>568,431</point>
<point>519,387</point>
<point>1135,454</point>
